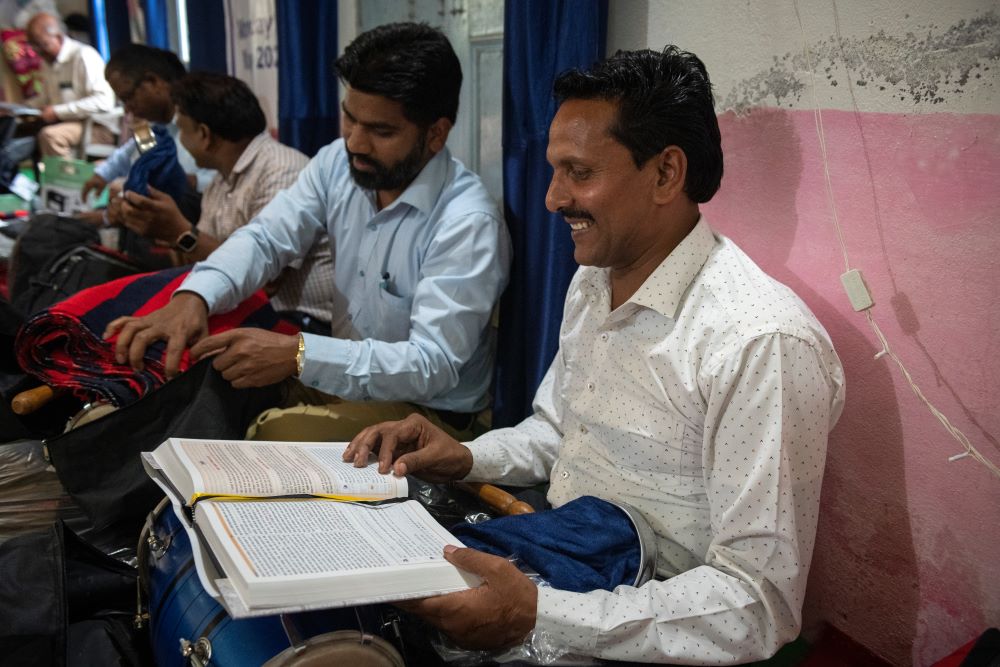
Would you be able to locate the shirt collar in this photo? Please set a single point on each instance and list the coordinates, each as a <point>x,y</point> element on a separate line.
<point>66,51</point>
<point>249,153</point>
<point>425,189</point>
<point>665,287</point>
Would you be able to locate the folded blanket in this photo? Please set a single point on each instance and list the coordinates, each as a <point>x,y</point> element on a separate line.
<point>585,545</point>
<point>62,345</point>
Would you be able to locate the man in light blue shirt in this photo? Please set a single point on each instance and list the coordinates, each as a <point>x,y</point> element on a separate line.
<point>141,77</point>
<point>421,255</point>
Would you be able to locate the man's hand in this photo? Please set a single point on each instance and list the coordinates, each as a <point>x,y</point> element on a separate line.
<point>250,357</point>
<point>95,183</point>
<point>95,218</point>
<point>49,115</point>
<point>181,322</point>
<point>498,614</point>
<point>417,446</point>
<point>154,217</point>
<point>116,215</point>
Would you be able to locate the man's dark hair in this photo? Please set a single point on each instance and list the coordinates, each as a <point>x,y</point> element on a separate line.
<point>224,103</point>
<point>411,63</point>
<point>137,61</point>
<point>664,99</point>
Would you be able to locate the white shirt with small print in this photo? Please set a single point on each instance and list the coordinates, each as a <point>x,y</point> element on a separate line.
<point>705,402</point>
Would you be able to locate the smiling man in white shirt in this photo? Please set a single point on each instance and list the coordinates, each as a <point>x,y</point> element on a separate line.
<point>688,384</point>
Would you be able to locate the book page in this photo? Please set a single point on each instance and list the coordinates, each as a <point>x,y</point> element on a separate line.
<point>260,469</point>
<point>306,537</point>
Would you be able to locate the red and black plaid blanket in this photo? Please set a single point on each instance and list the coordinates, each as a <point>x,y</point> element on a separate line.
<point>62,345</point>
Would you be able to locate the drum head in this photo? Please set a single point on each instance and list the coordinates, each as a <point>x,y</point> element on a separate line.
<point>343,647</point>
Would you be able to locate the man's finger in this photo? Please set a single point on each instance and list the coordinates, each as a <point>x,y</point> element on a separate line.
<point>361,445</point>
<point>128,331</point>
<point>387,449</point>
<point>470,560</point>
<point>137,349</point>
<point>115,325</point>
<point>172,355</point>
<point>214,343</point>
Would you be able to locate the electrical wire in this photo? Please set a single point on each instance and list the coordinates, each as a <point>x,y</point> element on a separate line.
<point>955,432</point>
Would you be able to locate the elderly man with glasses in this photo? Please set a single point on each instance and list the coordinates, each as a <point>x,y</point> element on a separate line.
<point>73,88</point>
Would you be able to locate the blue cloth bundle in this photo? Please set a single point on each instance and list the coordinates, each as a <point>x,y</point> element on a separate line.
<point>585,545</point>
<point>158,167</point>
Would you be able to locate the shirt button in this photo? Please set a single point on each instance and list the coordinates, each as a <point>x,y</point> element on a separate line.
<point>583,429</point>
<point>350,317</point>
<point>565,475</point>
<point>361,273</point>
<point>590,386</point>
<point>604,336</point>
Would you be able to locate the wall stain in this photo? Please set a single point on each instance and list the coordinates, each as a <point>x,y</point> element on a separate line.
<point>927,66</point>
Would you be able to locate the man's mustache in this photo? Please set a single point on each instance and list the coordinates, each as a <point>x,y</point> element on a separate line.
<point>576,213</point>
<point>364,160</point>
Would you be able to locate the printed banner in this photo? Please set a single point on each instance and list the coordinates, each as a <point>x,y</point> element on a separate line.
<point>252,51</point>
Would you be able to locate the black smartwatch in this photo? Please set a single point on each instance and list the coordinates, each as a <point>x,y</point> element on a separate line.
<point>187,241</point>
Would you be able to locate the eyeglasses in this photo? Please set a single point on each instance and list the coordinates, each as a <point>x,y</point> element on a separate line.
<point>127,97</point>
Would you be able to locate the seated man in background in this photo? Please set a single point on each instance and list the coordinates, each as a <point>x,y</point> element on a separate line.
<point>421,255</point>
<point>73,88</point>
<point>222,126</point>
<point>141,77</point>
<point>688,384</point>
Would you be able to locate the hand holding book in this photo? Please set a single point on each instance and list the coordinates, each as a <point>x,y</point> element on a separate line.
<point>269,516</point>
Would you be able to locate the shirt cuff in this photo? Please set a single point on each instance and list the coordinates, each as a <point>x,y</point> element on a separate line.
<point>326,360</point>
<point>204,287</point>
<point>564,621</point>
<point>489,458</point>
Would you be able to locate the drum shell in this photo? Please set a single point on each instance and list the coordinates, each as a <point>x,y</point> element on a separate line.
<point>179,608</point>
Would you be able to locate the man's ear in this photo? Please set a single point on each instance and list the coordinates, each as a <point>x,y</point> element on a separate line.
<point>205,136</point>
<point>671,174</point>
<point>437,134</point>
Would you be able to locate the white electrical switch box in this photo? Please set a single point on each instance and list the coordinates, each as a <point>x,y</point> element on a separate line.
<point>857,291</point>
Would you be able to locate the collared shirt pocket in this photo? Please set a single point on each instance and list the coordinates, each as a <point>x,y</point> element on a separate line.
<point>392,316</point>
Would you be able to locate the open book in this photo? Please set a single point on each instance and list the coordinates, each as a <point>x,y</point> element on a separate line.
<point>268,536</point>
<point>15,109</point>
<point>261,469</point>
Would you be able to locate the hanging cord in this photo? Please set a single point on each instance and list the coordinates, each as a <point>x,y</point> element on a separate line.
<point>955,432</point>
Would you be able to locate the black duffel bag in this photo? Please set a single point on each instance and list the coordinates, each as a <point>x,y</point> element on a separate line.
<point>99,463</point>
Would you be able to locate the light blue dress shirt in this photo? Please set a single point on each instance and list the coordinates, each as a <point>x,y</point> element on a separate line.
<point>415,284</point>
<point>120,161</point>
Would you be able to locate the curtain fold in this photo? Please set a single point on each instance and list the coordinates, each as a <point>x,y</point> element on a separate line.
<point>307,88</point>
<point>207,35</point>
<point>157,27</point>
<point>116,21</point>
<point>541,39</point>
<point>99,28</point>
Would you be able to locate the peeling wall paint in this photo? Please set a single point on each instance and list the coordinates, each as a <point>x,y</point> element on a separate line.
<point>925,65</point>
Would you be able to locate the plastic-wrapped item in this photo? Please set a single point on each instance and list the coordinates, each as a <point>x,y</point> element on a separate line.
<point>446,505</point>
<point>31,497</point>
<point>534,650</point>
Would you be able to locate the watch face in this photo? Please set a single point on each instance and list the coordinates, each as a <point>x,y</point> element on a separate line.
<point>187,242</point>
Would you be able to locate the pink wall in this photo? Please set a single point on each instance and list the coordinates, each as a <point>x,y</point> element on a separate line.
<point>908,545</point>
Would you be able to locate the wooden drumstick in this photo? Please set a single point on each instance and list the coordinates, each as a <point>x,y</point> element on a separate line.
<point>496,498</point>
<point>32,399</point>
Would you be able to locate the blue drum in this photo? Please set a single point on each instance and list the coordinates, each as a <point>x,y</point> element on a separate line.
<point>188,627</point>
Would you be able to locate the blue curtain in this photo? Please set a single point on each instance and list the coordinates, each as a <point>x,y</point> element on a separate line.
<point>157,30</point>
<point>307,89</point>
<point>207,35</point>
<point>116,26</point>
<point>99,28</point>
<point>541,39</point>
